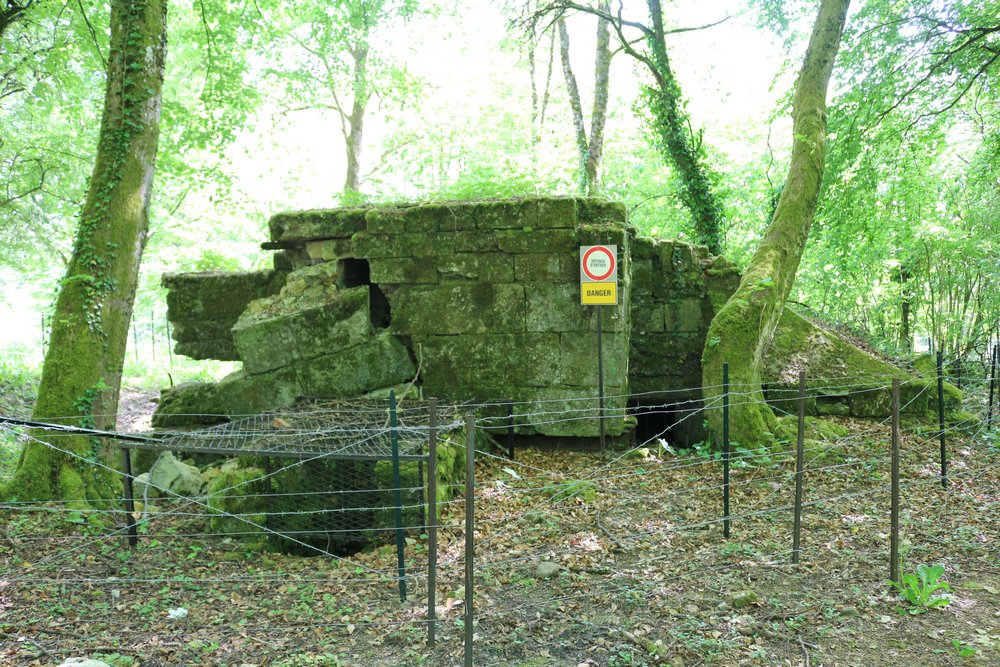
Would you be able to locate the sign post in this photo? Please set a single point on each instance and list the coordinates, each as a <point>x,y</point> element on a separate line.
<point>599,287</point>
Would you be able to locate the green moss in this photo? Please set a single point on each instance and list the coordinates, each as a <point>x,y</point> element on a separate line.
<point>317,224</point>
<point>458,308</point>
<point>555,212</point>
<point>385,220</point>
<point>546,267</point>
<point>284,329</point>
<point>403,271</point>
<point>596,211</point>
<point>816,429</point>
<point>542,240</point>
<point>482,267</point>
<point>237,491</point>
<point>502,215</point>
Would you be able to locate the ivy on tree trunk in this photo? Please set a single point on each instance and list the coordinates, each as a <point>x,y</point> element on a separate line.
<point>82,371</point>
<point>671,125</point>
<point>742,330</point>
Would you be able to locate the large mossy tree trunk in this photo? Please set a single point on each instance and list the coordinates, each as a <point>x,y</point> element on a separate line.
<point>742,330</point>
<point>82,371</point>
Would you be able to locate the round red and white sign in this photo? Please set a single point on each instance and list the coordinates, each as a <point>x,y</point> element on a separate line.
<point>598,263</point>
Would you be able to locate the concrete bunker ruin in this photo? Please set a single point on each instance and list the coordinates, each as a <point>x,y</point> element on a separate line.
<point>481,301</point>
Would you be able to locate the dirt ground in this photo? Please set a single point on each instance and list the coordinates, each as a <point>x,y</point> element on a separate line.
<point>644,574</point>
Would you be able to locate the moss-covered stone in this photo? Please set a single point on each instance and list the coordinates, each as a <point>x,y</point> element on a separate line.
<point>386,220</point>
<point>458,308</point>
<point>564,412</point>
<point>316,224</point>
<point>815,429</point>
<point>608,233</point>
<point>544,240</point>
<point>422,218</point>
<point>237,496</point>
<point>684,316</point>
<point>799,344</point>
<point>380,362</point>
<point>578,360</point>
<point>202,307</point>
<point>203,403</point>
<point>489,363</point>
<point>555,307</point>
<point>648,319</point>
<point>287,330</point>
<point>329,249</point>
<point>642,277</point>
<point>404,271</point>
<point>600,211</point>
<point>376,246</point>
<point>555,212</point>
<point>546,267</point>
<point>515,214</point>
<point>475,267</point>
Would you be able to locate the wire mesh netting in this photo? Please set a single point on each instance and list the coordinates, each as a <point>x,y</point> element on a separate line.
<point>339,495</point>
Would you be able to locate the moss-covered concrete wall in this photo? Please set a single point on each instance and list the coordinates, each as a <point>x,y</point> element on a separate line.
<point>476,301</point>
<point>203,307</point>
<point>479,301</point>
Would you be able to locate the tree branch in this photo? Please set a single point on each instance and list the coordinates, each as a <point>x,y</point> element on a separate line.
<point>93,35</point>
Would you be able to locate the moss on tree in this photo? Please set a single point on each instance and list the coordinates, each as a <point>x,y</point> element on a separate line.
<point>82,370</point>
<point>741,332</point>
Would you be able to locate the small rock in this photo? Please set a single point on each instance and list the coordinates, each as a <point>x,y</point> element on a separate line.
<point>177,614</point>
<point>745,598</point>
<point>169,473</point>
<point>83,662</point>
<point>546,570</point>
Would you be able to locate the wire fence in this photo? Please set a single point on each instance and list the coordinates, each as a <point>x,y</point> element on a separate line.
<point>351,525</point>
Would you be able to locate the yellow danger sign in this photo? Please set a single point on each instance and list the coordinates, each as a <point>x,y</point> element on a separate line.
<point>599,294</point>
<point>599,275</point>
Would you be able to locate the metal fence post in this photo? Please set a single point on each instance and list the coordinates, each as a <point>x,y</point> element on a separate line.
<point>944,452</point>
<point>432,524</point>
<point>133,534</point>
<point>600,372</point>
<point>993,385</point>
<point>397,495</point>
<point>725,449</point>
<point>799,469</point>
<point>510,430</point>
<point>269,490</point>
<point>470,514</point>
<point>894,502</point>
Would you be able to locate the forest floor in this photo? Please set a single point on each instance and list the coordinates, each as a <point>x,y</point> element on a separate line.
<point>645,576</point>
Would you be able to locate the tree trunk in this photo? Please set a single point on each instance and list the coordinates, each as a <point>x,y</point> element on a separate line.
<point>354,140</point>
<point>742,330</point>
<point>905,330</point>
<point>579,129</point>
<point>11,11</point>
<point>599,112</point>
<point>671,126</point>
<point>589,151</point>
<point>82,370</point>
